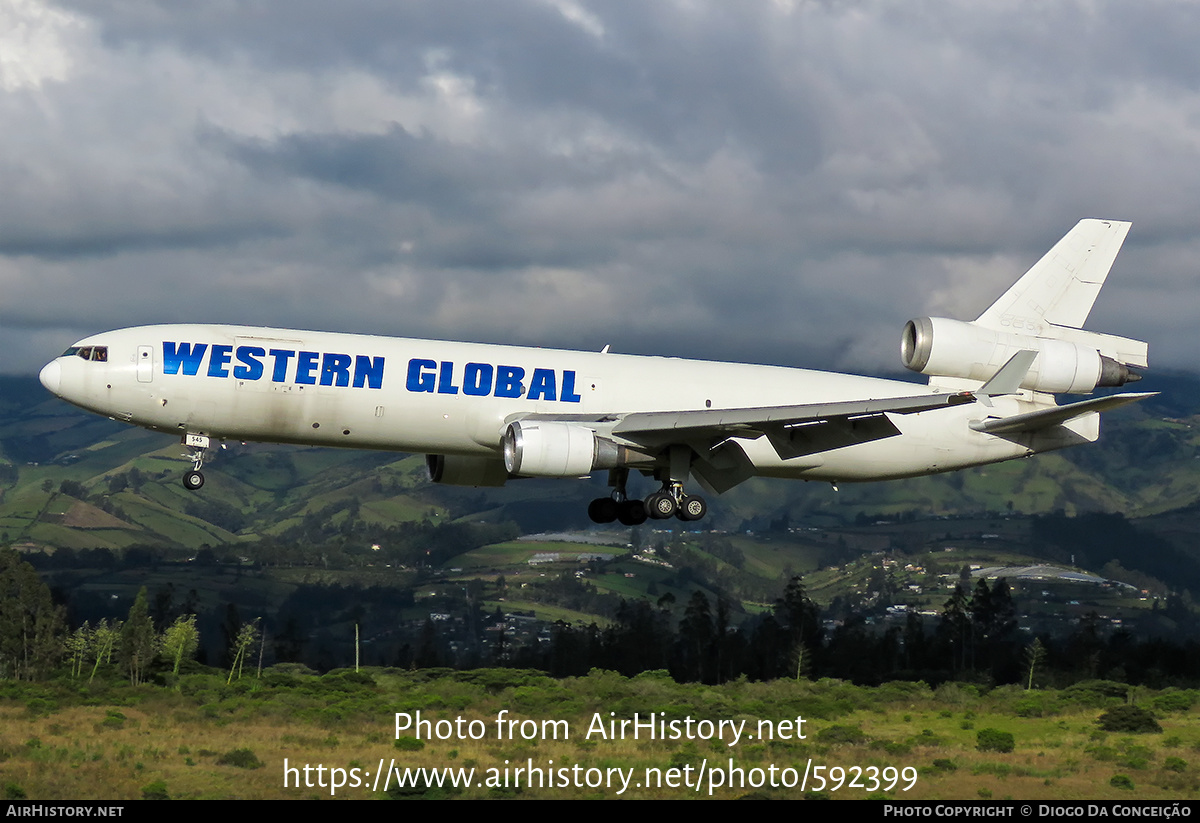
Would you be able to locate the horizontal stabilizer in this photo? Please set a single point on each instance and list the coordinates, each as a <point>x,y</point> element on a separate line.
<point>1055,415</point>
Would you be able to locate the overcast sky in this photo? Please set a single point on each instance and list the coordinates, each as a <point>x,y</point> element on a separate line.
<point>783,182</point>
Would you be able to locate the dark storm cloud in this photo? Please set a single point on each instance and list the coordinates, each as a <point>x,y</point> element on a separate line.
<point>775,181</point>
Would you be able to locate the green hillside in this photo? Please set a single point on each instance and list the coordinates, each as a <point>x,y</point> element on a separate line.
<point>68,478</point>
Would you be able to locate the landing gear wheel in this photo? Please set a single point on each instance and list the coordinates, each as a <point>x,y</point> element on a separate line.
<point>193,480</point>
<point>631,512</point>
<point>692,507</point>
<point>603,510</point>
<point>661,505</point>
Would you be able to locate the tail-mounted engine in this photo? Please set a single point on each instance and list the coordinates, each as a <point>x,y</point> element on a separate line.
<point>1068,360</point>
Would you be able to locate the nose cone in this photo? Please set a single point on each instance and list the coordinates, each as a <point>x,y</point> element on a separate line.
<point>51,376</point>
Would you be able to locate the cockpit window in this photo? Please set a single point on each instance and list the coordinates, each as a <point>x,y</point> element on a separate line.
<point>98,354</point>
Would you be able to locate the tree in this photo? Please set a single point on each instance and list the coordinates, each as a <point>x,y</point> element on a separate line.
<point>31,626</point>
<point>954,629</point>
<point>102,642</point>
<point>181,639</point>
<point>800,615</point>
<point>696,636</point>
<point>1035,652</point>
<point>139,642</point>
<point>246,636</point>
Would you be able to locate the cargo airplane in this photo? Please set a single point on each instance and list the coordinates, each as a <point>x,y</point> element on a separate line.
<point>484,414</point>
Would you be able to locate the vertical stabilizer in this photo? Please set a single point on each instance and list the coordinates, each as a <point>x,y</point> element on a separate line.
<point>1061,287</point>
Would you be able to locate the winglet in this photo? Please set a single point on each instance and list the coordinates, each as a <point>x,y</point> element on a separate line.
<point>1008,379</point>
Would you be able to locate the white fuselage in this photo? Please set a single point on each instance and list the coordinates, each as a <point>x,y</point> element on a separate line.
<point>361,391</point>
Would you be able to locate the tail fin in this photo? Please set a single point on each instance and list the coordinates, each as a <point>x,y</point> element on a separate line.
<point>1043,312</point>
<point>1062,286</point>
<point>1054,297</point>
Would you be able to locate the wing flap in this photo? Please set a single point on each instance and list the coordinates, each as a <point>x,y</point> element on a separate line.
<point>812,437</point>
<point>654,429</point>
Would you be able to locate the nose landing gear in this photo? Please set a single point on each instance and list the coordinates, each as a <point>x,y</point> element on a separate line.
<point>197,446</point>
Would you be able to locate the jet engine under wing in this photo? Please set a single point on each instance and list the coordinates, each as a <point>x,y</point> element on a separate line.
<point>794,431</point>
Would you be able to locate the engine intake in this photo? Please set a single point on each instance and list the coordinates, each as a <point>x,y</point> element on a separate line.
<point>555,449</point>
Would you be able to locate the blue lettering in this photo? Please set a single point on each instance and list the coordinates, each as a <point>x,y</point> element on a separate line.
<point>187,358</point>
<point>306,364</point>
<point>368,370</point>
<point>542,385</point>
<point>446,379</point>
<point>480,380</point>
<point>568,392</point>
<point>218,360</point>
<point>282,356</point>
<point>187,355</point>
<point>335,370</point>
<point>253,369</point>
<point>418,378</point>
<point>508,381</point>
<point>477,379</point>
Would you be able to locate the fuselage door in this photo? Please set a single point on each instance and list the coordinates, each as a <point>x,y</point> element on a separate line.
<point>145,364</point>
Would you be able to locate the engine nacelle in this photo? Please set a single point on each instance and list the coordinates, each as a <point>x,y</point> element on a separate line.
<point>458,470</point>
<point>954,348</point>
<point>547,448</point>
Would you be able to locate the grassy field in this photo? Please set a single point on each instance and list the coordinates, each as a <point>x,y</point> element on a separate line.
<point>200,738</point>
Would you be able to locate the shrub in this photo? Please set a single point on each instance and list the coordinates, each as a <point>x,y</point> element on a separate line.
<point>113,719</point>
<point>155,791</point>
<point>1128,720</point>
<point>40,706</point>
<point>834,735</point>
<point>409,744</point>
<point>1174,700</point>
<point>1096,693</point>
<point>994,740</point>
<point>1121,781</point>
<point>1038,704</point>
<point>1175,764</point>
<point>242,758</point>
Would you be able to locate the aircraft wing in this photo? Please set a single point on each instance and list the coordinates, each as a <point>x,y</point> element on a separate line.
<point>720,463</point>
<point>794,431</point>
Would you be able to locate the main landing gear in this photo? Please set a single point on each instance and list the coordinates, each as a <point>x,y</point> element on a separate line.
<point>668,502</point>
<point>671,501</point>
